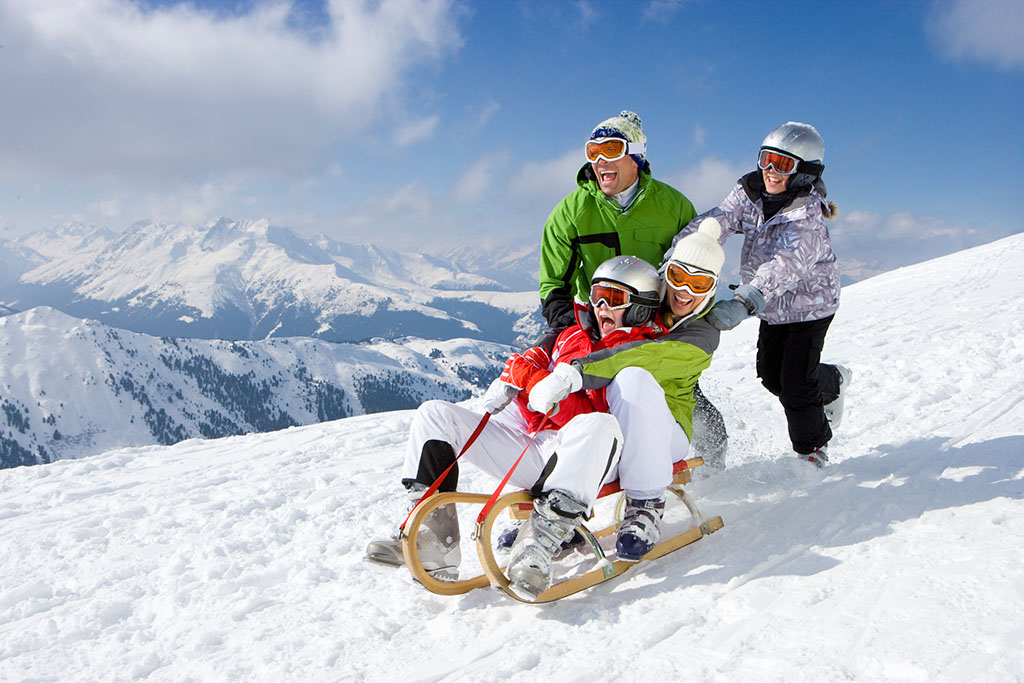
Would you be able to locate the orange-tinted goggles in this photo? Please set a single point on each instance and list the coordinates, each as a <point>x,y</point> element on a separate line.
<point>682,276</point>
<point>613,297</point>
<point>612,149</point>
<point>782,163</point>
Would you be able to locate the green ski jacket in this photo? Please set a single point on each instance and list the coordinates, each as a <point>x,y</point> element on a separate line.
<point>587,228</point>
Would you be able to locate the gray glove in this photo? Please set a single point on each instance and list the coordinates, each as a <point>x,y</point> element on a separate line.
<point>751,297</point>
<point>746,301</point>
<point>498,396</point>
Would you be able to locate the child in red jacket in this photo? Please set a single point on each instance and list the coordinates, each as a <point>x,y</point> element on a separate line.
<point>569,459</point>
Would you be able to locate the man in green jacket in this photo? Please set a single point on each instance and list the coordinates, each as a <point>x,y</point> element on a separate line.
<point>618,208</point>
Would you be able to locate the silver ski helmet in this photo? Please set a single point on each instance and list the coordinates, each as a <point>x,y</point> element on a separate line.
<point>641,279</point>
<point>800,140</point>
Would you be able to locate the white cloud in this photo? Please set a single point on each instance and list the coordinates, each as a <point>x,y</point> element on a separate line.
<point>110,208</point>
<point>545,182</point>
<point>900,225</point>
<point>869,243</point>
<point>707,184</point>
<point>471,185</point>
<point>662,11</point>
<point>699,135</point>
<point>191,204</point>
<point>486,113</point>
<point>586,14</point>
<point>415,131</point>
<point>409,204</point>
<point>104,89</point>
<point>987,31</point>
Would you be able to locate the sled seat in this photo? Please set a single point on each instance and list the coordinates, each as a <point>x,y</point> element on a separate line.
<point>680,475</point>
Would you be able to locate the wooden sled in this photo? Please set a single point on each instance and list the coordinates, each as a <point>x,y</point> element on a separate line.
<point>520,504</point>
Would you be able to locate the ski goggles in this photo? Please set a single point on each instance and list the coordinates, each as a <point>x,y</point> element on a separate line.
<point>612,149</point>
<point>783,164</point>
<point>696,281</point>
<point>612,296</point>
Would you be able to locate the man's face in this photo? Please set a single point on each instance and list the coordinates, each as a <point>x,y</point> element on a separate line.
<point>615,176</point>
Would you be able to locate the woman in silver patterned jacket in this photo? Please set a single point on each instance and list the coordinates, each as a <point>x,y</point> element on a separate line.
<point>790,281</point>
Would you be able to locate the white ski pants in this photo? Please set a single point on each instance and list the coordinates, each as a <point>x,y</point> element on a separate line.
<point>653,438</point>
<point>578,458</point>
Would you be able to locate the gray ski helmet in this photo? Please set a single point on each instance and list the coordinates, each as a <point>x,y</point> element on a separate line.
<point>802,141</point>
<point>642,280</point>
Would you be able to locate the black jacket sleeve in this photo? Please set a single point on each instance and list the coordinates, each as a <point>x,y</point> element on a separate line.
<point>557,309</point>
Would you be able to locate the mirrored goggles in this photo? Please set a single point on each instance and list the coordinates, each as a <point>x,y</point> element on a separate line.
<point>612,296</point>
<point>694,280</point>
<point>783,164</point>
<point>612,149</point>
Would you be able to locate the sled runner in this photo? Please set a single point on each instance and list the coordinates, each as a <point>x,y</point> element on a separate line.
<point>594,566</point>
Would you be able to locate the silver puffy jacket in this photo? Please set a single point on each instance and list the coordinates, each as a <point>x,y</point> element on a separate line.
<point>789,258</point>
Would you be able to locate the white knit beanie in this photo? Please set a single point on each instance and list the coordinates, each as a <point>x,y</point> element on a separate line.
<point>701,248</point>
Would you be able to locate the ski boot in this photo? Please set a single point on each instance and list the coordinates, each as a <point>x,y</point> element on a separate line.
<point>834,410</point>
<point>507,538</point>
<point>640,528</point>
<point>437,541</point>
<point>552,522</point>
<point>818,457</point>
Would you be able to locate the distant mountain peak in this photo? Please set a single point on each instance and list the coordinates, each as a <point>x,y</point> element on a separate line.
<point>249,279</point>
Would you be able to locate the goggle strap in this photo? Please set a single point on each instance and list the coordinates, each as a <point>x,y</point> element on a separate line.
<point>810,167</point>
<point>644,301</point>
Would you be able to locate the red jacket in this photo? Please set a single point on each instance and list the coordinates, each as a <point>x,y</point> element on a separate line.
<point>526,369</point>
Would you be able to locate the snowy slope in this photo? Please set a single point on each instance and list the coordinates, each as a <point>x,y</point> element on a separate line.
<point>240,558</point>
<point>251,280</point>
<point>71,388</point>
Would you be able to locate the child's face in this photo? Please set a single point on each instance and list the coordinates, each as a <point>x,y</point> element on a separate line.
<point>607,318</point>
<point>682,302</point>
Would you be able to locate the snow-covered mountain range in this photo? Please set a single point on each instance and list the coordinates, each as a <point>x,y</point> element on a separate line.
<point>240,559</point>
<point>71,387</point>
<point>241,280</point>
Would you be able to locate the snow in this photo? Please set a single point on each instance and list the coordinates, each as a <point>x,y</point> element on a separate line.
<point>241,558</point>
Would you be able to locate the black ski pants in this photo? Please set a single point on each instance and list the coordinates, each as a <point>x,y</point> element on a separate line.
<point>789,366</point>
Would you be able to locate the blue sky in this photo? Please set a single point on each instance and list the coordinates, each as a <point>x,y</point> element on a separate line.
<point>434,122</point>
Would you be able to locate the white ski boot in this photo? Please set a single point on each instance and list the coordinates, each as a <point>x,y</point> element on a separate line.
<point>437,542</point>
<point>640,528</point>
<point>834,410</point>
<point>818,457</point>
<point>552,522</point>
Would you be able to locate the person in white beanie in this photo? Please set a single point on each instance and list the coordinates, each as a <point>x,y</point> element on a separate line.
<point>790,281</point>
<point>618,208</point>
